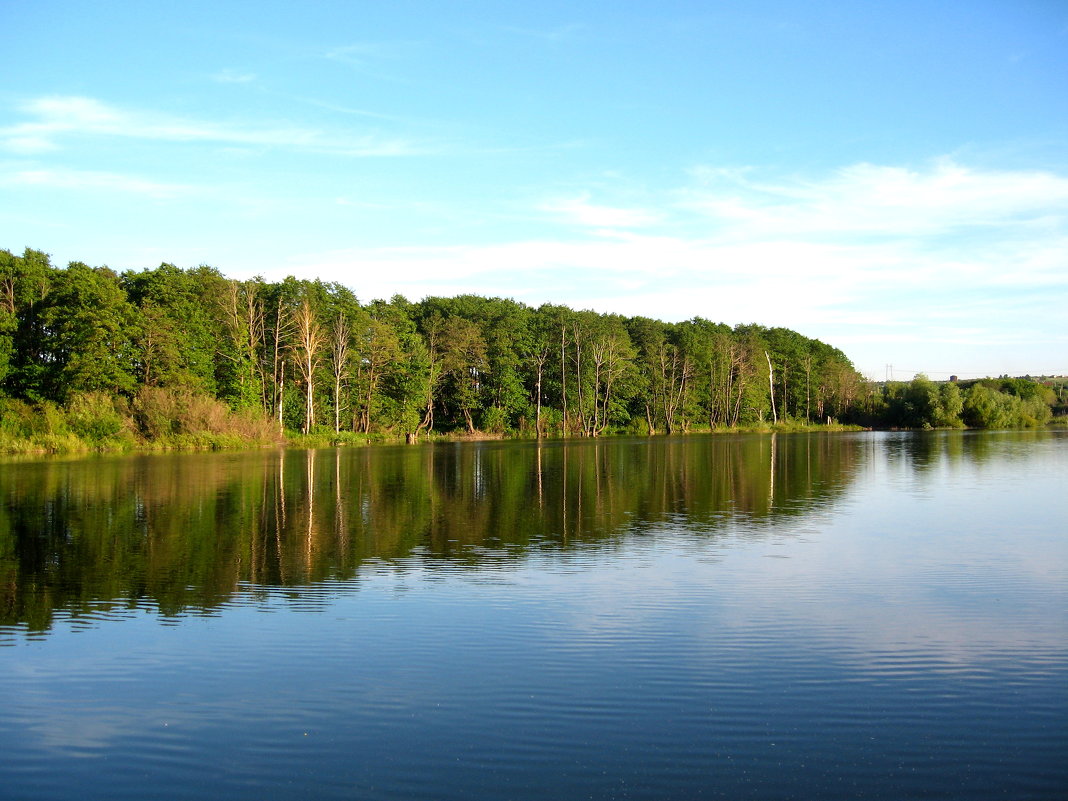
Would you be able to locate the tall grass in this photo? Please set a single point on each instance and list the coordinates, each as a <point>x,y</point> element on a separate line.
<point>155,419</point>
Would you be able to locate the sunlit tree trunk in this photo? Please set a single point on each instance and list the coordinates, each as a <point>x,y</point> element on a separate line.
<point>309,341</point>
<point>563,379</point>
<point>771,385</point>
<point>339,362</point>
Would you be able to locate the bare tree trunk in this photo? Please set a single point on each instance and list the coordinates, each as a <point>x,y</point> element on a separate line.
<point>281,326</point>
<point>578,381</point>
<point>434,368</point>
<point>807,364</point>
<point>598,361</point>
<point>309,341</point>
<point>281,388</point>
<point>771,385</point>
<point>365,413</point>
<point>537,417</point>
<point>563,379</point>
<point>339,363</point>
<point>309,408</point>
<point>337,405</point>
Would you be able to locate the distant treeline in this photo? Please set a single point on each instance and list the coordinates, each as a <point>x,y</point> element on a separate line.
<point>179,356</point>
<point>984,403</point>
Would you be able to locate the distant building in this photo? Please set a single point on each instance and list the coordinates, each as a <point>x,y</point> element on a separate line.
<point>953,379</point>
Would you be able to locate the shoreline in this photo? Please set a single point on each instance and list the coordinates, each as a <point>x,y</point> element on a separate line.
<point>70,445</point>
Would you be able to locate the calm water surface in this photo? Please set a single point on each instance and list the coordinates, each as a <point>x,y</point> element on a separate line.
<point>879,616</point>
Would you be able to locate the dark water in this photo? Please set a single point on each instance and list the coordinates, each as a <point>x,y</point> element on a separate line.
<point>880,616</point>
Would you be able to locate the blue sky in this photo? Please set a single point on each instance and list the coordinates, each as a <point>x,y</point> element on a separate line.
<point>890,178</point>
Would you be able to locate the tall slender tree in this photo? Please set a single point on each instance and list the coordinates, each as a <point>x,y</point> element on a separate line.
<point>307,346</point>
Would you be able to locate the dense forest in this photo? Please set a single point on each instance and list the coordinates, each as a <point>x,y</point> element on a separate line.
<point>187,356</point>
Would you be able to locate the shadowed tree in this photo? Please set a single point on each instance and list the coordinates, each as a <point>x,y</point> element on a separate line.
<point>463,363</point>
<point>25,284</point>
<point>377,350</point>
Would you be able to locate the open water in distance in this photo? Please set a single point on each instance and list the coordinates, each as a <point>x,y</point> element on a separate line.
<point>879,616</point>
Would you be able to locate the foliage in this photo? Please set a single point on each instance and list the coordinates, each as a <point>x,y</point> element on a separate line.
<point>986,407</point>
<point>988,403</point>
<point>96,418</point>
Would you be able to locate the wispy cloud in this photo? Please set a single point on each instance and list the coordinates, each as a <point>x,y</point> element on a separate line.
<point>93,180</point>
<point>364,53</point>
<point>552,36</point>
<point>341,109</point>
<point>57,118</point>
<point>23,140</point>
<point>378,60</point>
<point>233,76</point>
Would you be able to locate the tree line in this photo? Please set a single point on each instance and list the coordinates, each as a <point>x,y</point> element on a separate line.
<point>980,403</point>
<point>164,350</point>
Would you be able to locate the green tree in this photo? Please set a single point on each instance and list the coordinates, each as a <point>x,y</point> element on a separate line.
<point>26,282</point>
<point>378,353</point>
<point>951,405</point>
<point>243,348</point>
<point>538,350</point>
<point>180,329</point>
<point>90,330</point>
<point>9,324</point>
<point>463,364</point>
<point>406,381</point>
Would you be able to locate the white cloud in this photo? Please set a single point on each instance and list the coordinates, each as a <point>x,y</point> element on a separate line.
<point>59,117</point>
<point>868,199</point>
<point>581,212</point>
<point>878,260</point>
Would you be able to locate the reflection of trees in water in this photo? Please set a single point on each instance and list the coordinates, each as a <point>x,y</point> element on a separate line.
<point>188,531</point>
<point>926,451</point>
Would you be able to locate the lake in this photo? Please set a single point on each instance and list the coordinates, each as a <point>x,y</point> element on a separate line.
<point>824,616</point>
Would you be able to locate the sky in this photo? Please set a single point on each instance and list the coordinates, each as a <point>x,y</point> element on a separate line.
<point>890,178</point>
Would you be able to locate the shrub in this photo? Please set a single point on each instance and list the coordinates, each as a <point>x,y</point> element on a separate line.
<point>18,419</point>
<point>494,420</point>
<point>93,417</point>
<point>179,417</point>
<point>155,411</point>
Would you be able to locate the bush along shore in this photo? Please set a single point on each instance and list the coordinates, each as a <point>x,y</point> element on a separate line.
<point>155,419</point>
<point>165,358</point>
<point>178,419</point>
<point>168,420</point>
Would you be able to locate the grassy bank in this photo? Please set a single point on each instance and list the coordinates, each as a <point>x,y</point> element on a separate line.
<point>180,420</point>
